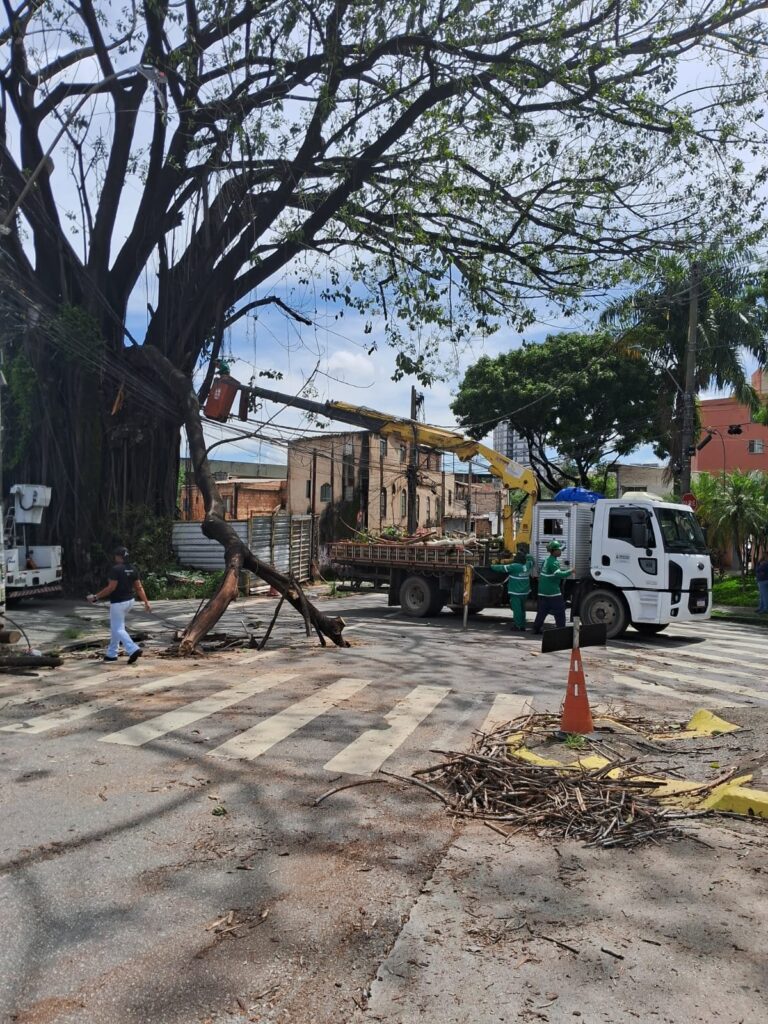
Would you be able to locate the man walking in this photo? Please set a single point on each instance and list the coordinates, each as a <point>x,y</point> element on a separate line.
<point>518,586</point>
<point>123,584</point>
<point>551,600</point>
<point>761,575</point>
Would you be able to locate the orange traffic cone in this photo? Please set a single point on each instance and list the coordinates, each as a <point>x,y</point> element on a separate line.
<point>576,716</point>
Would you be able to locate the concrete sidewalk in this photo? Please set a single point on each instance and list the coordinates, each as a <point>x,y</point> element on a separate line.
<point>541,931</point>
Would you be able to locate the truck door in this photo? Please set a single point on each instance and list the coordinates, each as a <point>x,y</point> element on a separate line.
<point>626,552</point>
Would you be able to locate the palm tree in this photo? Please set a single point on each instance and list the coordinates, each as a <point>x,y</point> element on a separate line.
<point>735,511</point>
<point>733,321</point>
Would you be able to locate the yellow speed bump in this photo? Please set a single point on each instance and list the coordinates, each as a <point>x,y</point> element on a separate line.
<point>702,724</point>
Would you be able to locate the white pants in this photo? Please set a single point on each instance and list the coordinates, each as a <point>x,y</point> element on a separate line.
<point>118,634</point>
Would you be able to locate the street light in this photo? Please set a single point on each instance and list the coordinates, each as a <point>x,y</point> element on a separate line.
<point>153,76</point>
<point>710,432</point>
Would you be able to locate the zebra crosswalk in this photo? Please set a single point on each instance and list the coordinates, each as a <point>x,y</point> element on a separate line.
<point>369,717</point>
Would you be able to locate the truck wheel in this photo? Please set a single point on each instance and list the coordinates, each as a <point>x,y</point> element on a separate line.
<point>605,607</point>
<point>420,596</point>
<point>650,628</point>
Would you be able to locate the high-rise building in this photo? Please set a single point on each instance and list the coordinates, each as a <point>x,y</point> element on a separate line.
<point>510,443</point>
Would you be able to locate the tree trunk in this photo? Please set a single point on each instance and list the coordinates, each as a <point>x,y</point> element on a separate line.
<point>237,555</point>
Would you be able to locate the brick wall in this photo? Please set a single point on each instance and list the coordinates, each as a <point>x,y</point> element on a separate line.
<point>242,498</point>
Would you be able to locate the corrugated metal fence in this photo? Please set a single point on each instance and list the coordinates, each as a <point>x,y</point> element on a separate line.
<point>280,540</point>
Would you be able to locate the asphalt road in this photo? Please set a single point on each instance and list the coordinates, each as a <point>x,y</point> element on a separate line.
<point>161,857</point>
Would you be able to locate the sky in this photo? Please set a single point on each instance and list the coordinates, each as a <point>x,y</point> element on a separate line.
<point>333,351</point>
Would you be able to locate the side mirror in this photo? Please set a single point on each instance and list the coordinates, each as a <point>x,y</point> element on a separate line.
<point>642,532</point>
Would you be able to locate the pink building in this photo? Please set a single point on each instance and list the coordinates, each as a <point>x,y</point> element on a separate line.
<point>729,450</point>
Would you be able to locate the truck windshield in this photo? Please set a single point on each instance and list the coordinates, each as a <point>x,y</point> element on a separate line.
<point>681,531</point>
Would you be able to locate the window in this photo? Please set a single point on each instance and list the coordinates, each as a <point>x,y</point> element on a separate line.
<point>383,448</point>
<point>383,503</point>
<point>394,492</point>
<point>325,492</point>
<point>228,505</point>
<point>755,447</point>
<point>348,471</point>
<point>681,531</point>
<point>418,508</point>
<point>403,503</point>
<point>450,497</point>
<point>429,509</point>
<point>553,527</point>
<point>620,525</point>
<point>621,522</point>
<point>402,454</point>
<point>309,488</point>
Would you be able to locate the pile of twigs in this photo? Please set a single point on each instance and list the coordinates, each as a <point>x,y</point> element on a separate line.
<point>491,784</point>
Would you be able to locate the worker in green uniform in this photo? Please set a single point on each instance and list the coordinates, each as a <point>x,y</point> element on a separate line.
<point>518,586</point>
<point>551,600</point>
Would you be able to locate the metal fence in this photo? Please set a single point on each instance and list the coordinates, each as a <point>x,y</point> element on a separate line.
<point>280,540</point>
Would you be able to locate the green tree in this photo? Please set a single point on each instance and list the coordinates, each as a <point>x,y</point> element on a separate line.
<point>452,158</point>
<point>733,319</point>
<point>577,400</point>
<point>734,510</point>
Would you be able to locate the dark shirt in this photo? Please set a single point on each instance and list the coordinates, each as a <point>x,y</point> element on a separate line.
<point>762,570</point>
<point>126,575</point>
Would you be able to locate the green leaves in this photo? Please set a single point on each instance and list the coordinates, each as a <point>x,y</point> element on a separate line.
<point>576,398</point>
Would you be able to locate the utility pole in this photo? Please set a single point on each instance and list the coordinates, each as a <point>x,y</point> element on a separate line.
<point>689,396</point>
<point>469,497</point>
<point>313,545</point>
<point>413,470</point>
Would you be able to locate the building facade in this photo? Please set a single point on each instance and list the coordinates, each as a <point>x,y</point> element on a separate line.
<point>357,480</point>
<point>508,442</point>
<point>737,442</point>
<point>243,497</point>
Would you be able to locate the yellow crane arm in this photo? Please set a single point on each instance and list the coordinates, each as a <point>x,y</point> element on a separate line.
<point>513,475</point>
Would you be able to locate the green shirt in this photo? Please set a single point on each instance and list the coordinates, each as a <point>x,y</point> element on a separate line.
<point>518,576</point>
<point>550,575</point>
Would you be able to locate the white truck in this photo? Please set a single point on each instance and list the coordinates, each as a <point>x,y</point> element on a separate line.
<point>29,569</point>
<point>636,562</point>
<point>639,561</point>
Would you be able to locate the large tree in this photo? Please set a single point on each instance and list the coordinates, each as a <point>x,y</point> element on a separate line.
<point>455,157</point>
<point>652,324</point>
<point>576,399</point>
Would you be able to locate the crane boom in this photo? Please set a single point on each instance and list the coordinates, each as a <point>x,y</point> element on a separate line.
<point>513,475</point>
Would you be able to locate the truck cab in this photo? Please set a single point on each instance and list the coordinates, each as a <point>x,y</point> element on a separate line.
<point>28,569</point>
<point>639,562</point>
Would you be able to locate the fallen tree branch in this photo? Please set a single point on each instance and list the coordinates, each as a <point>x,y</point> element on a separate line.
<point>237,555</point>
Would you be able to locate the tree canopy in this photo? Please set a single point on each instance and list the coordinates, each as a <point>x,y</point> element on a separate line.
<point>576,399</point>
<point>652,324</point>
<point>445,159</point>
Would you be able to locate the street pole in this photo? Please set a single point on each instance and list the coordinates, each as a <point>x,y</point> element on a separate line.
<point>468,523</point>
<point>412,475</point>
<point>689,395</point>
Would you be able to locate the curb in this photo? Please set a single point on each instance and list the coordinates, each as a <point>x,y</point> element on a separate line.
<point>735,799</point>
<point>739,617</point>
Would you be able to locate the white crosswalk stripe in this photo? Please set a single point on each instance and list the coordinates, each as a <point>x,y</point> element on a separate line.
<point>635,683</point>
<point>368,752</point>
<point>171,721</point>
<point>702,657</point>
<point>254,742</point>
<point>81,681</point>
<point>505,708</point>
<point>704,684</point>
<point>649,662</point>
<point>77,712</point>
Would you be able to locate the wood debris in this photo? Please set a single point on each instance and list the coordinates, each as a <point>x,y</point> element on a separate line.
<point>491,784</point>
